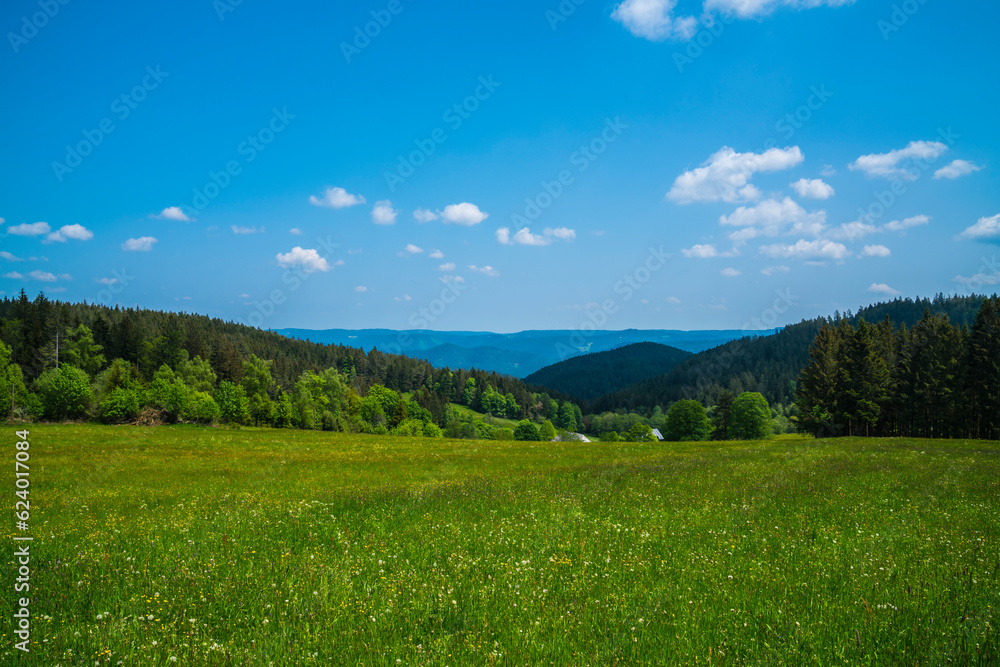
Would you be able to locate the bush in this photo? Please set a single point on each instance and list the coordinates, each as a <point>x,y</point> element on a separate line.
<point>65,392</point>
<point>431,430</point>
<point>120,406</point>
<point>687,421</point>
<point>527,430</point>
<point>201,408</point>
<point>750,418</point>
<point>610,436</point>
<point>503,434</point>
<point>547,431</point>
<point>329,422</point>
<point>641,433</point>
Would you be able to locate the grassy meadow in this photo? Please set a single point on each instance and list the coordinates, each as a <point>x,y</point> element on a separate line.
<point>203,546</point>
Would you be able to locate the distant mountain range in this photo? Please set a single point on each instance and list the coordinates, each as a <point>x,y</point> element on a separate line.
<point>517,354</point>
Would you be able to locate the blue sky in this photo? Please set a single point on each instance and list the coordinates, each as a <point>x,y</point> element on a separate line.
<point>267,163</point>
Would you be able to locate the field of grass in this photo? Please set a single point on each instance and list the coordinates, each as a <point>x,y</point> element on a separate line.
<point>466,412</point>
<point>201,546</point>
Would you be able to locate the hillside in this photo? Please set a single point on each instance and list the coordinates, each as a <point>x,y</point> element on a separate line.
<point>599,373</point>
<point>517,354</point>
<point>769,364</point>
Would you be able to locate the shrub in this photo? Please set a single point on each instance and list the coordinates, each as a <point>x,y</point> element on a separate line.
<point>687,421</point>
<point>527,430</point>
<point>120,406</point>
<point>65,392</point>
<point>640,433</point>
<point>750,418</point>
<point>201,408</point>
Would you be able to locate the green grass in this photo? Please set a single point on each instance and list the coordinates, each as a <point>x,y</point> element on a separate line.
<point>466,411</point>
<point>260,547</point>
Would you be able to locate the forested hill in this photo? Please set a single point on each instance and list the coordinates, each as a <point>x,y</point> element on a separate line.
<point>600,373</point>
<point>769,364</point>
<point>150,339</point>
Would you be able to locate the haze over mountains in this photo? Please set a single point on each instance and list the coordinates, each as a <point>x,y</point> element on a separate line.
<point>517,354</point>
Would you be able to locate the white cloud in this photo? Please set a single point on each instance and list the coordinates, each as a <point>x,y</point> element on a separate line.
<point>30,229</point>
<point>700,251</point>
<point>437,254</point>
<point>448,266</point>
<point>730,272</point>
<point>774,270</point>
<point>452,279</point>
<point>336,198</point>
<point>957,169</point>
<point>985,228</point>
<point>852,231</point>
<point>413,250</point>
<point>307,260</point>
<point>522,237</point>
<point>76,232</point>
<point>726,175</point>
<point>891,165</point>
<point>883,289</point>
<point>485,270</point>
<point>525,237</point>
<point>755,8</point>
<point>563,233</point>
<point>673,299</point>
<point>383,213</point>
<point>107,281</point>
<point>423,215</point>
<point>771,217</point>
<point>173,213</point>
<point>654,20</point>
<point>875,251</point>
<point>141,244</point>
<point>980,279</point>
<point>802,249</point>
<point>41,276</point>
<point>463,214</point>
<point>245,230</point>
<point>813,189</point>
<point>295,231</point>
<point>828,171</point>
<point>9,257</point>
<point>906,223</point>
<point>360,288</point>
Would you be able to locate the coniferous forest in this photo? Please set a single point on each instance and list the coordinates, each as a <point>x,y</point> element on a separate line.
<point>932,380</point>
<point>926,368</point>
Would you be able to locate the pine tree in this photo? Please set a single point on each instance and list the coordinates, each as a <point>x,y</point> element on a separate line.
<point>983,371</point>
<point>864,379</point>
<point>817,389</point>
